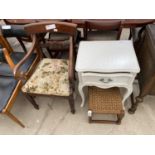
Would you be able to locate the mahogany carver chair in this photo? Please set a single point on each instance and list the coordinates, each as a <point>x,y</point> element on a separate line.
<point>53,76</point>
<point>103,29</point>
<point>9,88</point>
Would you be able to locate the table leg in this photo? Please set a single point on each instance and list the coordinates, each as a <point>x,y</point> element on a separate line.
<point>127,93</point>
<point>81,91</point>
<point>134,105</point>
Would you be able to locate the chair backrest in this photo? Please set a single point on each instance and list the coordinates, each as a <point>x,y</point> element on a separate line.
<point>107,25</point>
<point>53,26</point>
<point>40,29</point>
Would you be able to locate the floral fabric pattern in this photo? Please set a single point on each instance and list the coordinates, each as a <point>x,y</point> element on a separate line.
<point>50,78</point>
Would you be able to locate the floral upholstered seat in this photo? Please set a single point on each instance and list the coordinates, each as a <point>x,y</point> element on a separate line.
<point>50,78</point>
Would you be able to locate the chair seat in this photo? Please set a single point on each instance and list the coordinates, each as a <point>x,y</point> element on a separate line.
<point>16,57</point>
<point>102,35</point>
<point>49,78</point>
<point>7,86</point>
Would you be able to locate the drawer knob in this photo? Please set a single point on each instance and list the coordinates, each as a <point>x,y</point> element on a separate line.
<point>106,80</point>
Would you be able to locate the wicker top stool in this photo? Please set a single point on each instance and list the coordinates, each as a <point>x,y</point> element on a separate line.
<point>105,101</point>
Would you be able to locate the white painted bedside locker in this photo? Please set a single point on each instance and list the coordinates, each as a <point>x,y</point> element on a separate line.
<point>106,64</point>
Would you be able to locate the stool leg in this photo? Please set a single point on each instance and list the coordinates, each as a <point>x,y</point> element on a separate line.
<point>90,119</point>
<point>119,117</point>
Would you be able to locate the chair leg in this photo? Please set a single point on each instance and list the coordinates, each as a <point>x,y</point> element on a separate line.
<point>32,101</point>
<point>10,115</point>
<point>22,44</point>
<point>134,105</point>
<point>71,103</point>
<point>130,35</point>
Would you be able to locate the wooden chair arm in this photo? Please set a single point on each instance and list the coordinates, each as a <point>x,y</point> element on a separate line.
<point>16,72</point>
<point>8,58</point>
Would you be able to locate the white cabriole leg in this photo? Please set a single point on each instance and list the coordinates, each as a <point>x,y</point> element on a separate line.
<point>127,94</point>
<point>80,88</point>
<point>129,89</point>
<point>81,92</point>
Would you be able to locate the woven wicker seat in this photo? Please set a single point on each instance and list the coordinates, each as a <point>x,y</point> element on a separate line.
<point>105,101</point>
